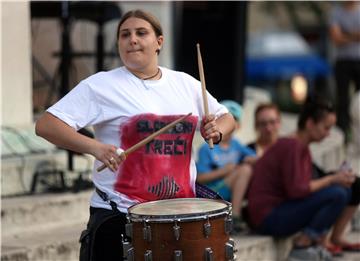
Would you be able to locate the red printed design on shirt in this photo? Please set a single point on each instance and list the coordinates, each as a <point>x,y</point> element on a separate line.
<point>161,168</point>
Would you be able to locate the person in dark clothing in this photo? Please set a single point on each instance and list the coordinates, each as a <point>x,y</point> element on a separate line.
<point>282,187</point>
<point>344,31</point>
<point>267,125</point>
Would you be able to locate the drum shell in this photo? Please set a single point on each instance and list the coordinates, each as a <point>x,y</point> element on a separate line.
<point>192,241</point>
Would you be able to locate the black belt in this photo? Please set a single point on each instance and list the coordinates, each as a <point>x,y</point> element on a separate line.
<point>105,197</point>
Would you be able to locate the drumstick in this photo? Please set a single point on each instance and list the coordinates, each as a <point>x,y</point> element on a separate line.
<point>203,88</point>
<point>148,139</point>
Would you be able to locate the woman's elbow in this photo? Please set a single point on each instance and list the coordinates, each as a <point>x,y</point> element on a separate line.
<point>39,127</point>
<point>230,122</point>
<point>42,125</point>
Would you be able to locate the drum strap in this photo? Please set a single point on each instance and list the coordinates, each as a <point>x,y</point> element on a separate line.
<point>105,197</point>
<point>203,191</point>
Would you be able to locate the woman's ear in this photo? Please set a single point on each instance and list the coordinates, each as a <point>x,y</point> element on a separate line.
<point>309,123</point>
<point>160,41</point>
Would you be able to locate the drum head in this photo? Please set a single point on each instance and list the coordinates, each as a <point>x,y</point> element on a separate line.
<point>181,208</point>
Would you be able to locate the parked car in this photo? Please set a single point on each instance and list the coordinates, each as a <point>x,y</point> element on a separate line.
<point>284,63</point>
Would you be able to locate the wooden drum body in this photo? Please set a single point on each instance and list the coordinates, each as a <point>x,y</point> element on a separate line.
<point>180,229</point>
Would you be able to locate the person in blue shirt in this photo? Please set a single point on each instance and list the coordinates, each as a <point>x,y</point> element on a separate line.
<point>226,169</point>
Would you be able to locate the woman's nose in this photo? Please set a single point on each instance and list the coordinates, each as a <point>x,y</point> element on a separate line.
<point>133,39</point>
<point>269,127</point>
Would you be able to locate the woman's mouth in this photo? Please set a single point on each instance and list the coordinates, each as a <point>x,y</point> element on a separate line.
<point>134,51</point>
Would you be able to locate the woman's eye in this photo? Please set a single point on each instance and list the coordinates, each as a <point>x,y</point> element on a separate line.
<point>124,34</point>
<point>141,33</point>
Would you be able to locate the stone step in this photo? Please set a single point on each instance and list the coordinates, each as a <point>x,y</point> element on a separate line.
<point>61,243</point>
<point>30,213</point>
<point>47,227</point>
<point>45,244</point>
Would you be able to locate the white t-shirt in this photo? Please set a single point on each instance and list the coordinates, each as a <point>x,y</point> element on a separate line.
<point>123,110</point>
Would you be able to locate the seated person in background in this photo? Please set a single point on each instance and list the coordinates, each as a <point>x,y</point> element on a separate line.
<point>226,168</point>
<point>267,125</point>
<point>336,243</point>
<point>283,199</point>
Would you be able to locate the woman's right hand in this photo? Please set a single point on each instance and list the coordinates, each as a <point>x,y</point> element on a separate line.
<point>344,178</point>
<point>108,154</point>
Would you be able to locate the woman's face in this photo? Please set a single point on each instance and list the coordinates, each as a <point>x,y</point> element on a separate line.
<point>320,130</point>
<point>268,124</point>
<point>138,44</point>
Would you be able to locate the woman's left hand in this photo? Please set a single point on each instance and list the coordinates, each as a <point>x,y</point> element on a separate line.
<point>209,129</point>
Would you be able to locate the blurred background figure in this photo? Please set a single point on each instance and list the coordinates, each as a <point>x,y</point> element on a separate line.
<point>354,146</point>
<point>282,186</point>
<point>226,168</point>
<point>267,126</point>
<point>344,26</point>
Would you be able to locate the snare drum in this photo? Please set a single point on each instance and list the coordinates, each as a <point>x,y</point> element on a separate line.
<point>180,229</point>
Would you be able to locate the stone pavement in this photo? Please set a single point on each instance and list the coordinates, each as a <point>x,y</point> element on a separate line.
<point>354,236</point>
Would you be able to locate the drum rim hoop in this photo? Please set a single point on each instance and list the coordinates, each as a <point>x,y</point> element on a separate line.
<point>185,217</point>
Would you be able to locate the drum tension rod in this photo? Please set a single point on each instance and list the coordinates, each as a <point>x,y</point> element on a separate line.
<point>177,229</point>
<point>207,228</point>
<point>148,255</point>
<point>177,255</point>
<point>228,224</point>
<point>128,250</point>
<point>209,254</point>
<point>129,230</point>
<point>146,231</point>
<point>230,250</point>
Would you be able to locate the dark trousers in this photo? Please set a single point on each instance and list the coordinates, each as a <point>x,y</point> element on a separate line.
<point>102,239</point>
<point>108,241</point>
<point>346,71</point>
<point>314,215</point>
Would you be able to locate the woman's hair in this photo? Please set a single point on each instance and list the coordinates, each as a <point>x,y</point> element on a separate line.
<point>315,109</point>
<point>155,24</point>
<point>264,106</point>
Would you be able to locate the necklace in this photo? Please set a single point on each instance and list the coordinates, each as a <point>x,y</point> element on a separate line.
<point>153,76</point>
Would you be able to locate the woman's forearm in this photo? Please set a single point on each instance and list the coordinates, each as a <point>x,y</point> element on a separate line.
<point>59,133</point>
<point>225,123</point>
<point>210,176</point>
<point>317,184</point>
